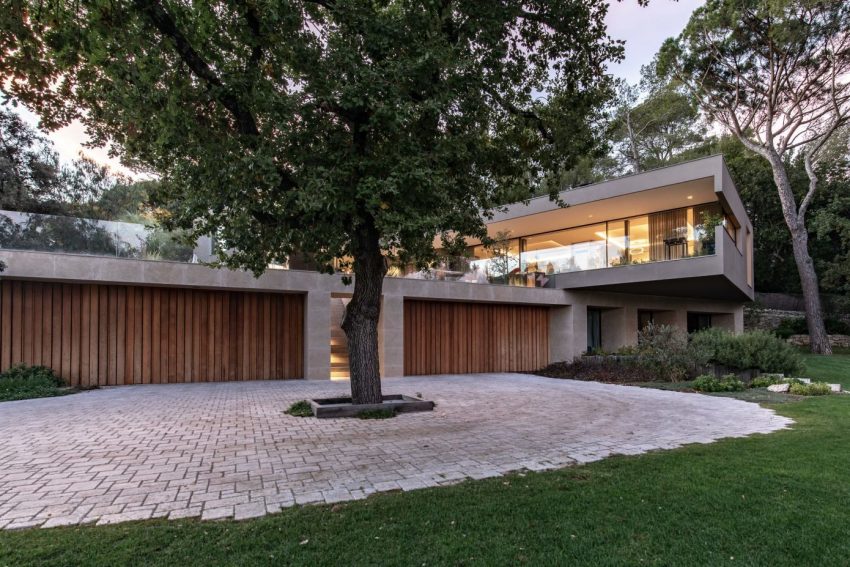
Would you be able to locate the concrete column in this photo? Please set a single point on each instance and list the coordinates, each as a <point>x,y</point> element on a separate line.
<point>391,333</point>
<point>579,329</point>
<point>614,329</point>
<point>317,335</point>
<point>733,322</point>
<point>560,334</point>
<point>738,320</point>
<point>630,325</point>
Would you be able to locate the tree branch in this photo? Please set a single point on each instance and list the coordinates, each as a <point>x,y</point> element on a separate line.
<point>164,22</point>
<point>527,115</point>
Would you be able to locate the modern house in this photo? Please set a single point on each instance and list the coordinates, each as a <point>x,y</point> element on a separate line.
<point>673,246</point>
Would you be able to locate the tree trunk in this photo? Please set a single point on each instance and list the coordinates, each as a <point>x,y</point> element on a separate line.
<point>818,339</point>
<point>362,314</point>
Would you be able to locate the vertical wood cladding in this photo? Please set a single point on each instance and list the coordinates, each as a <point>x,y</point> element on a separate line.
<point>104,335</point>
<point>459,338</point>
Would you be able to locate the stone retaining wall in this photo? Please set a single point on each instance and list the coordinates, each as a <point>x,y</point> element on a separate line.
<point>841,341</point>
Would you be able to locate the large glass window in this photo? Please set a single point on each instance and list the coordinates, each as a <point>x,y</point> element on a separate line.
<point>638,240</point>
<point>569,250</point>
<point>618,243</point>
<point>665,235</point>
<point>498,261</point>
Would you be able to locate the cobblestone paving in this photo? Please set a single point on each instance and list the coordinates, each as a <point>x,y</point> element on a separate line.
<point>227,450</point>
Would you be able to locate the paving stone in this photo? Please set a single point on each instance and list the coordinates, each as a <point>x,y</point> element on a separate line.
<point>227,449</point>
<point>125,516</point>
<point>249,510</point>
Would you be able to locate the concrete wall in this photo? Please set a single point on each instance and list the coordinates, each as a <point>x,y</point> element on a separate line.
<point>568,315</point>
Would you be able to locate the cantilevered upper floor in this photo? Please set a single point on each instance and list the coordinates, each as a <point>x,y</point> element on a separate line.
<point>680,230</point>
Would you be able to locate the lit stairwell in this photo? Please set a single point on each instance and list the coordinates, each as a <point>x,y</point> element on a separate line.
<point>339,343</point>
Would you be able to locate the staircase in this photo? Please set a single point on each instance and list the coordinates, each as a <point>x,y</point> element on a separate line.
<point>339,344</point>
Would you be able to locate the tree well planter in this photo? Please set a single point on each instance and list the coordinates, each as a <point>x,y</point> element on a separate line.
<point>342,407</point>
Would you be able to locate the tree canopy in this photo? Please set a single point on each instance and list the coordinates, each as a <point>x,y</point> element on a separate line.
<point>341,129</point>
<point>292,123</point>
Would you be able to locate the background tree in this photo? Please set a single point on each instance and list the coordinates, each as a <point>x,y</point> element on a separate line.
<point>339,128</point>
<point>29,168</point>
<point>652,123</point>
<point>774,73</point>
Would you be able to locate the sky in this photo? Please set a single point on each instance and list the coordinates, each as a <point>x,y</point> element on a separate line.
<point>643,29</point>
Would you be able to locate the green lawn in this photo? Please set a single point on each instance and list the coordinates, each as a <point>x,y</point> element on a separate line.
<point>834,369</point>
<point>779,499</point>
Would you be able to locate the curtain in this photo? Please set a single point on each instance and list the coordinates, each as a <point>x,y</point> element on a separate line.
<point>664,230</point>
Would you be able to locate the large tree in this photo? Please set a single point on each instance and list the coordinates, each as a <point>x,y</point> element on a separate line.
<point>775,74</point>
<point>652,123</point>
<point>342,129</point>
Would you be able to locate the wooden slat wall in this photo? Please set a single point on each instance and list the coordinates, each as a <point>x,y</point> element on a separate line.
<point>459,338</point>
<point>103,335</point>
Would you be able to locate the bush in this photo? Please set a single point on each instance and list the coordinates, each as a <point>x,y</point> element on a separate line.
<point>301,408</point>
<point>813,389</point>
<point>610,371</point>
<point>708,383</point>
<point>761,350</point>
<point>766,380</point>
<point>24,382</point>
<point>664,351</point>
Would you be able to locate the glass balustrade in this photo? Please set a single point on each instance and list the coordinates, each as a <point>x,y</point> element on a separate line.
<point>73,235</point>
<point>527,261</point>
<point>531,261</point>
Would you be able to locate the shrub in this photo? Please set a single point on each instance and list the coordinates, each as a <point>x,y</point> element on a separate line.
<point>610,370</point>
<point>664,350</point>
<point>813,389</point>
<point>754,349</point>
<point>708,383</point>
<point>300,408</point>
<point>24,382</point>
<point>766,380</point>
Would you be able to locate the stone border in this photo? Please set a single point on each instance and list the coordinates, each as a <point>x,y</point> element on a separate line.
<point>342,407</point>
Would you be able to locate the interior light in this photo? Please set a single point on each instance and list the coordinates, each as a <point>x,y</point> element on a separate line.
<point>590,216</point>
<point>690,197</point>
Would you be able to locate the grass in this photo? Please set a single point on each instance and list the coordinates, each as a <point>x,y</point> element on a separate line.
<point>833,369</point>
<point>301,408</point>
<point>778,499</point>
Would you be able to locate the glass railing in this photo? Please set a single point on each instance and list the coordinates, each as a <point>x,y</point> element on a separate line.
<point>536,268</point>
<point>523,262</point>
<point>74,235</point>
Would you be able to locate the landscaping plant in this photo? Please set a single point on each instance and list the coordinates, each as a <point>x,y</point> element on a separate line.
<point>301,408</point>
<point>23,382</point>
<point>813,389</point>
<point>760,350</point>
<point>708,383</point>
<point>664,351</point>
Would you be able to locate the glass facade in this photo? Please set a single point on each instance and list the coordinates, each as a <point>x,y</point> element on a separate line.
<point>654,237</point>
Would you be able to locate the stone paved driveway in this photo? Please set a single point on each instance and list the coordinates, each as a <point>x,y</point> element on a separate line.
<point>228,450</point>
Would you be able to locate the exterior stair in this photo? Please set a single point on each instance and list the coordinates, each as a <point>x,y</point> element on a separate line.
<point>339,343</point>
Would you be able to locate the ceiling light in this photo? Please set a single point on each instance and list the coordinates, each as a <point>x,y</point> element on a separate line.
<point>690,197</point>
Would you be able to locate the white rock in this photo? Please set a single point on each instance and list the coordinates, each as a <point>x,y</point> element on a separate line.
<point>781,388</point>
<point>835,387</point>
<point>805,380</point>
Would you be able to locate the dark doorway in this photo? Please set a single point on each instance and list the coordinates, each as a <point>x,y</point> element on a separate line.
<point>698,321</point>
<point>594,329</point>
